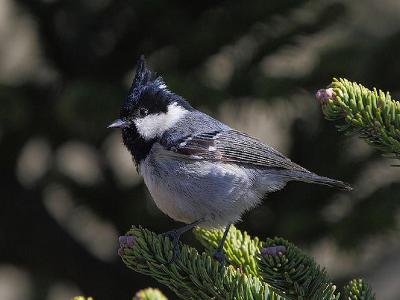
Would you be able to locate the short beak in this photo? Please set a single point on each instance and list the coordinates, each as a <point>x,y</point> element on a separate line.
<point>118,123</point>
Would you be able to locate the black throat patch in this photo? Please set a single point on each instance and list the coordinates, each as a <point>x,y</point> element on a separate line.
<point>137,146</point>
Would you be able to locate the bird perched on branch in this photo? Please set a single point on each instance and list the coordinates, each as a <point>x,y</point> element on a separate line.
<point>198,170</point>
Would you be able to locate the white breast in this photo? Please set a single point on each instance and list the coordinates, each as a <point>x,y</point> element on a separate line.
<point>188,190</point>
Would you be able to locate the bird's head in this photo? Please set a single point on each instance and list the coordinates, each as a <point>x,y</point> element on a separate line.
<point>149,109</point>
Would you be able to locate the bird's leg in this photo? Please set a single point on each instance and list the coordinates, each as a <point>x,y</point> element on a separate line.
<point>175,234</point>
<point>219,253</point>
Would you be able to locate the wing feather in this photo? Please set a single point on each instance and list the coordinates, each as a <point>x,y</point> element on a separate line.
<point>232,146</point>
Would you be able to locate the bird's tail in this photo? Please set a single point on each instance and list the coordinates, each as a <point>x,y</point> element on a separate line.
<point>314,178</point>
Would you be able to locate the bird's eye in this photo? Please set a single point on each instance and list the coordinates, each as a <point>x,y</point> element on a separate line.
<point>142,112</point>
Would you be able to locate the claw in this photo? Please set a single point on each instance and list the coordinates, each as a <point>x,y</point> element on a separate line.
<point>174,237</point>
<point>170,234</point>
<point>219,256</point>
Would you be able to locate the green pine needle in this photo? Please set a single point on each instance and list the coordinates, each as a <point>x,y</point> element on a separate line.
<point>358,289</point>
<point>370,113</point>
<point>274,270</point>
<point>193,275</point>
<point>149,294</point>
<point>240,249</point>
<point>294,275</point>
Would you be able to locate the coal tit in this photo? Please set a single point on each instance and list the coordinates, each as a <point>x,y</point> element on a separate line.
<point>198,170</point>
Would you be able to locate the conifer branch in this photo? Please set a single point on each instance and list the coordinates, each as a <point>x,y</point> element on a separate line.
<point>240,249</point>
<point>371,114</point>
<point>145,294</point>
<point>193,275</point>
<point>271,270</point>
<point>358,289</point>
<point>293,274</point>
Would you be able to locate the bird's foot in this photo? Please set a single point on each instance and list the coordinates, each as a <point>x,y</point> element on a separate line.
<point>174,237</point>
<point>219,256</point>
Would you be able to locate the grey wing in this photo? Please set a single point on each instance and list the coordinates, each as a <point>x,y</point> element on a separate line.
<point>232,146</point>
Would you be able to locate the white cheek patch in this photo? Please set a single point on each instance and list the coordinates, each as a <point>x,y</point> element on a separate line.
<point>155,125</point>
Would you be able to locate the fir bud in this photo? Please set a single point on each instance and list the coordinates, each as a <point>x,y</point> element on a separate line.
<point>324,94</point>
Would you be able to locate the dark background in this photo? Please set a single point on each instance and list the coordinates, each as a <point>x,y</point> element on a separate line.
<point>69,188</point>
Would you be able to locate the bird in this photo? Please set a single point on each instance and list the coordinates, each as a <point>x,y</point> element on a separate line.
<point>198,170</point>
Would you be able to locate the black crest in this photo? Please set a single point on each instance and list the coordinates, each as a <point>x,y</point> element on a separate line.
<point>144,78</point>
<point>150,91</point>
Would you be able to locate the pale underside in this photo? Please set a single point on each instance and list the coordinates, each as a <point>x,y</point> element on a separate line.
<point>188,190</point>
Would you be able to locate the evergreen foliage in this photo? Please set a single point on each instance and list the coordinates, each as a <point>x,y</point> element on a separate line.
<point>149,294</point>
<point>275,269</point>
<point>193,275</point>
<point>358,289</point>
<point>240,249</point>
<point>294,274</point>
<point>373,114</point>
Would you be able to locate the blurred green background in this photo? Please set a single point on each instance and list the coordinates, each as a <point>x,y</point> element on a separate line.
<point>69,188</point>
